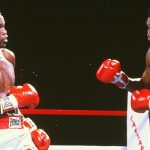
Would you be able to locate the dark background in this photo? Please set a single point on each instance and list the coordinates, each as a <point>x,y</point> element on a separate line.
<point>59,45</point>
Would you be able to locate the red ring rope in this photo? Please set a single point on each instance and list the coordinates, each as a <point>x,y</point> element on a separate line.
<point>73,112</point>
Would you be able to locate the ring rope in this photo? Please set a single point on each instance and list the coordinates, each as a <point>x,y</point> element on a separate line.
<point>73,112</point>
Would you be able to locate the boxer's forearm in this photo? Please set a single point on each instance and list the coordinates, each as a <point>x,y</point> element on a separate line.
<point>134,84</point>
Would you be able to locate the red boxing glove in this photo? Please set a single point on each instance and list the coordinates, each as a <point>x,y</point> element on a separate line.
<point>40,139</point>
<point>25,95</point>
<point>140,100</point>
<point>110,72</point>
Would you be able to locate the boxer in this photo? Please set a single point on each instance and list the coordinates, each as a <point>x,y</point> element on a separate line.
<point>16,131</point>
<point>110,72</point>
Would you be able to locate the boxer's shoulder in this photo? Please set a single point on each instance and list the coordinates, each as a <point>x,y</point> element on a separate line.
<point>8,54</point>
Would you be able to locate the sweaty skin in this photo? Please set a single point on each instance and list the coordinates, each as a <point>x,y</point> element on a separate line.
<point>7,62</point>
<point>7,74</point>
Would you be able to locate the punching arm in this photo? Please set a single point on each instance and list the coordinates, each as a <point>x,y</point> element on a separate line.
<point>110,72</point>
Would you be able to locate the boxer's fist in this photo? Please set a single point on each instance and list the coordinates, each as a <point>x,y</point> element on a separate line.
<point>140,100</point>
<point>25,95</point>
<point>107,70</point>
<point>110,72</point>
<point>40,139</point>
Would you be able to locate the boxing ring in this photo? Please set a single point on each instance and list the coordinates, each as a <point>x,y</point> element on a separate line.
<point>138,129</point>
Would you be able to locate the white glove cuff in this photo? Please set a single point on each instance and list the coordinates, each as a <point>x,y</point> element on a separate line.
<point>122,79</point>
<point>7,104</point>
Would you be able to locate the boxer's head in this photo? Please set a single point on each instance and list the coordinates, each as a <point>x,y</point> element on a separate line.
<point>3,32</point>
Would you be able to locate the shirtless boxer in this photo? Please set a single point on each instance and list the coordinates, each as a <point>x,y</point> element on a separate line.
<point>16,131</point>
<point>110,72</point>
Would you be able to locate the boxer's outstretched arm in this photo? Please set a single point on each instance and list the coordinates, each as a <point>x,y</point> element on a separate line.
<point>110,72</point>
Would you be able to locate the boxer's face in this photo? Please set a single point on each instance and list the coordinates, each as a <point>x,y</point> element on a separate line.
<point>3,32</point>
<point>148,30</point>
